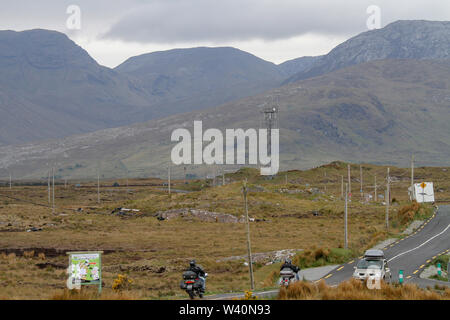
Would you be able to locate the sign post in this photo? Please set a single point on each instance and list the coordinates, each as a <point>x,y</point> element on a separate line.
<point>85,268</point>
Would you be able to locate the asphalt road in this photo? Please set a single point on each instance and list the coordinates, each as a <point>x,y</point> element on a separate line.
<point>411,253</point>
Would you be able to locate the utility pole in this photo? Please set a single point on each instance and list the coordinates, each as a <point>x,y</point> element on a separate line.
<point>48,188</point>
<point>389,184</point>
<point>53,202</point>
<point>223,177</point>
<point>412,178</point>
<point>345,217</point>
<point>168,180</point>
<point>65,183</point>
<point>98,186</point>
<point>10,182</point>
<point>349,183</point>
<point>342,187</point>
<point>286,179</point>
<point>388,198</point>
<point>361,181</point>
<point>249,248</point>
<point>184,174</point>
<point>376,199</point>
<point>387,211</point>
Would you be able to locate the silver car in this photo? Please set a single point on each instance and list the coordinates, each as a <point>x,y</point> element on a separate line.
<point>374,265</point>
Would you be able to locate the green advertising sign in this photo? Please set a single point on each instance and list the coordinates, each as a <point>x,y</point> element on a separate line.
<point>85,268</point>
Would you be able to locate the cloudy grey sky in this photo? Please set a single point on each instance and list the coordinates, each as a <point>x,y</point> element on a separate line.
<point>275,30</point>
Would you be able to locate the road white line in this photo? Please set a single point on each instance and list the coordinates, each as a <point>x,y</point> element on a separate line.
<point>420,245</point>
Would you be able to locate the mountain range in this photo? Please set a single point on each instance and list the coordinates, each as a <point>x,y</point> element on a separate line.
<point>51,88</point>
<point>378,97</point>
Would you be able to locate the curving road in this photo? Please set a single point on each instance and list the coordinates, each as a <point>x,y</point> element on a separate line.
<point>410,254</point>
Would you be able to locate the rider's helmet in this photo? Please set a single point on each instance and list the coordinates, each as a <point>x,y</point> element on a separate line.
<point>192,263</point>
<point>288,261</point>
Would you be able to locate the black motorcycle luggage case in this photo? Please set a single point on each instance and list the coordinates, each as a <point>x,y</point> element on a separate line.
<point>189,275</point>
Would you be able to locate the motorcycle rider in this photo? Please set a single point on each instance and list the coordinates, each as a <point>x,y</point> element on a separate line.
<point>201,274</point>
<point>288,265</point>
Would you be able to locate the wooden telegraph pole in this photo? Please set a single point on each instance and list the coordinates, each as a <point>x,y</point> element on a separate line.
<point>98,186</point>
<point>346,217</point>
<point>388,199</point>
<point>168,179</point>
<point>53,195</point>
<point>361,181</point>
<point>48,188</point>
<point>412,178</point>
<point>349,183</point>
<point>249,248</point>
<point>376,196</point>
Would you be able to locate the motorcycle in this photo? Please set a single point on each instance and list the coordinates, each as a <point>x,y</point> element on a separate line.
<point>192,284</point>
<point>287,276</point>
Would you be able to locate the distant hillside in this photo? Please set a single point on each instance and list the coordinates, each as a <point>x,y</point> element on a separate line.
<point>294,66</point>
<point>197,78</point>
<point>50,87</point>
<point>399,40</point>
<point>376,112</point>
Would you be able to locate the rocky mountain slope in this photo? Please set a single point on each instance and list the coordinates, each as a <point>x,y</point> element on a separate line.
<point>407,39</point>
<point>50,88</point>
<point>376,112</point>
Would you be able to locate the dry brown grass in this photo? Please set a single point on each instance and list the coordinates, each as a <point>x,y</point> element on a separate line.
<point>357,290</point>
<point>28,254</point>
<point>143,245</point>
<point>406,213</point>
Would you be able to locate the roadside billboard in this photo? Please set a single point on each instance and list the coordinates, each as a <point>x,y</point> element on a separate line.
<point>85,268</point>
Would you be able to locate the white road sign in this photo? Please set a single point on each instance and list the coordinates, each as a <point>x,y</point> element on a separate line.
<point>424,192</point>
